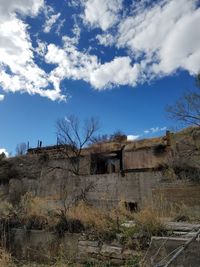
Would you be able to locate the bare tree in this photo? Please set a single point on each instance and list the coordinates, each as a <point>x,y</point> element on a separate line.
<point>187,108</point>
<point>74,138</point>
<point>21,149</point>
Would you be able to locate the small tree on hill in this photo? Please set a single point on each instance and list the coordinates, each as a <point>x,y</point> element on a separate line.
<point>21,149</point>
<point>75,138</point>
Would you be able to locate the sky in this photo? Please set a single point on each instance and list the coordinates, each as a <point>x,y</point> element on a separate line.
<point>121,61</point>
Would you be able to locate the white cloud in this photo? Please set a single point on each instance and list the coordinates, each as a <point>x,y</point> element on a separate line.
<point>18,70</point>
<point>25,7</point>
<point>2,97</point>
<point>41,49</point>
<point>167,35</point>
<point>73,64</point>
<point>102,13</point>
<point>76,30</point>
<point>132,137</point>
<point>67,119</point>
<point>181,48</point>
<point>154,130</point>
<point>50,22</point>
<point>3,150</point>
<point>159,37</point>
<point>73,3</point>
<point>106,39</point>
<point>59,26</point>
<point>119,71</point>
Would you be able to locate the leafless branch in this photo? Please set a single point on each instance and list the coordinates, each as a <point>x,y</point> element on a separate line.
<point>74,138</point>
<point>187,108</point>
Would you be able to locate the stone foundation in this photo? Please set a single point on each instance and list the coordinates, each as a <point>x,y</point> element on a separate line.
<point>43,246</point>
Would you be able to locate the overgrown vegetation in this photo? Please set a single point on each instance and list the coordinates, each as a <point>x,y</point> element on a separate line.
<point>6,259</point>
<point>34,213</point>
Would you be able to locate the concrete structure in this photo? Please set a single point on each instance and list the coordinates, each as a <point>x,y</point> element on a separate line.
<point>133,172</point>
<point>111,172</point>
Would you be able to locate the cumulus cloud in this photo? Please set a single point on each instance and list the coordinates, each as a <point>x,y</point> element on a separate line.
<point>166,35</point>
<point>162,37</point>
<point>25,7</point>
<point>71,63</point>
<point>157,38</point>
<point>119,71</point>
<point>18,70</point>
<point>3,150</point>
<point>76,65</point>
<point>2,97</point>
<point>41,49</point>
<point>102,13</point>
<point>106,39</point>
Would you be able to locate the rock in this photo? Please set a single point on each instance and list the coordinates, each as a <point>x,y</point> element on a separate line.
<point>111,251</point>
<point>117,262</point>
<point>120,237</point>
<point>128,224</point>
<point>88,243</point>
<point>115,243</point>
<point>88,250</point>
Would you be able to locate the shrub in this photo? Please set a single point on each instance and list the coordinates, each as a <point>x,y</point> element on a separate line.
<point>134,262</point>
<point>149,222</point>
<point>34,212</point>
<point>187,172</point>
<point>13,172</point>
<point>68,225</point>
<point>44,158</point>
<point>96,222</point>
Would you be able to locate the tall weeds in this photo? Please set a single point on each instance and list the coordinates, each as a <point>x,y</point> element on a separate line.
<point>6,259</point>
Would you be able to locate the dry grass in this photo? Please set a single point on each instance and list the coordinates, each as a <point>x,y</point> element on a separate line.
<point>90,217</point>
<point>6,209</point>
<point>149,221</point>
<point>122,212</point>
<point>99,219</point>
<point>6,259</point>
<point>167,210</point>
<point>36,208</point>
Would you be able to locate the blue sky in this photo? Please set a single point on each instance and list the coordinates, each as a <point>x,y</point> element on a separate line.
<point>121,61</point>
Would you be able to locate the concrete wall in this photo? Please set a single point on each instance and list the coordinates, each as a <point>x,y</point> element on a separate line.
<point>109,189</point>
<point>47,175</point>
<point>144,158</point>
<point>179,193</point>
<point>51,180</point>
<point>43,246</point>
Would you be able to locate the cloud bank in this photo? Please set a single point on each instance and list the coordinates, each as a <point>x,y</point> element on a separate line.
<point>158,38</point>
